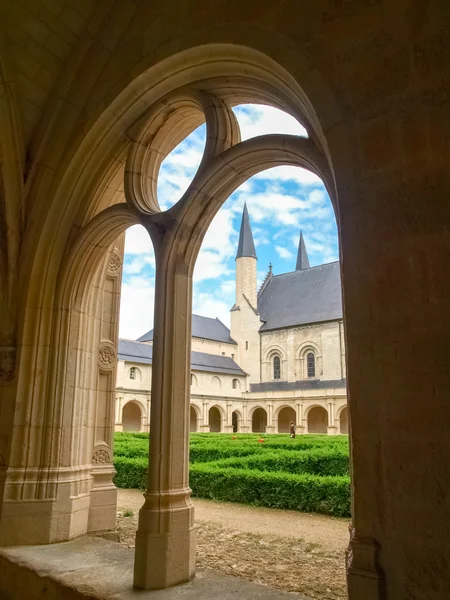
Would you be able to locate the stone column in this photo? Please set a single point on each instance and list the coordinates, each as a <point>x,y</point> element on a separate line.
<point>271,424</point>
<point>331,429</point>
<point>228,424</point>
<point>165,539</point>
<point>246,426</point>
<point>205,425</point>
<point>300,425</point>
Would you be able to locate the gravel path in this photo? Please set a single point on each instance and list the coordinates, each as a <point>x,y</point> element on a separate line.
<point>288,550</point>
<point>312,528</point>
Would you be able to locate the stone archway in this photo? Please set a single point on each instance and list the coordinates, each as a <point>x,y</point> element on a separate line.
<point>131,416</point>
<point>285,417</point>
<point>215,420</point>
<point>192,420</point>
<point>317,420</point>
<point>343,418</point>
<point>259,421</point>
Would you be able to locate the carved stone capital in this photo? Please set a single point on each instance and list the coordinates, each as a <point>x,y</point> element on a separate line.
<point>7,363</point>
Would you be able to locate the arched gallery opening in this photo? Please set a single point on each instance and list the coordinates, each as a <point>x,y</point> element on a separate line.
<point>317,420</point>
<point>285,417</point>
<point>259,421</point>
<point>131,417</point>
<point>344,421</point>
<point>215,420</point>
<point>235,421</point>
<point>192,420</point>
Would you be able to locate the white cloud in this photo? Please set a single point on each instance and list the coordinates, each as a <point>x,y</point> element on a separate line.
<point>137,241</point>
<point>136,307</point>
<point>257,119</point>
<point>208,306</point>
<point>138,264</point>
<point>284,253</point>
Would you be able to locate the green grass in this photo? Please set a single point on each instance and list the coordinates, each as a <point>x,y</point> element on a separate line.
<point>309,473</point>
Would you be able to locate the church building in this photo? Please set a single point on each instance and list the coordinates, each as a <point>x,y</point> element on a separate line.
<point>282,361</point>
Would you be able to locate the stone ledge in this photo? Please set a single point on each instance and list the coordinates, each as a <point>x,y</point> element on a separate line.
<point>90,568</point>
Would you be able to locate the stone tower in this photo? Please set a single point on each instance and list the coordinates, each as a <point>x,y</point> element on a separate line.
<point>246,262</point>
<point>245,321</point>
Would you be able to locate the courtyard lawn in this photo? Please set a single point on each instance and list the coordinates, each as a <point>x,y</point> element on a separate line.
<point>309,473</point>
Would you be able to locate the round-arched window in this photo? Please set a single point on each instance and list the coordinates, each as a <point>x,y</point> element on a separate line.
<point>311,364</point>
<point>276,367</point>
<point>133,373</point>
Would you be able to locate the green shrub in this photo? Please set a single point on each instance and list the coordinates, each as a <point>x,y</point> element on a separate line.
<point>309,473</point>
<point>309,493</point>
<point>316,461</point>
<point>131,472</point>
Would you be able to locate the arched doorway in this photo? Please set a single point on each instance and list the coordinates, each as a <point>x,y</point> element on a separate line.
<point>215,420</point>
<point>259,421</point>
<point>344,421</point>
<point>285,416</point>
<point>192,420</point>
<point>235,421</point>
<point>317,420</point>
<point>131,417</point>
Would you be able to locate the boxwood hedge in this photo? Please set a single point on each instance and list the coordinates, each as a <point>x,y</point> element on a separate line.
<point>309,473</point>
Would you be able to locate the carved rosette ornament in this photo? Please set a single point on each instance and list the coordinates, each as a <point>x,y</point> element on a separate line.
<point>115,264</point>
<point>107,356</point>
<point>101,457</point>
<point>7,363</point>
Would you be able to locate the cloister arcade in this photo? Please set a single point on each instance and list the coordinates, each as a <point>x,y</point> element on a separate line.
<point>82,140</point>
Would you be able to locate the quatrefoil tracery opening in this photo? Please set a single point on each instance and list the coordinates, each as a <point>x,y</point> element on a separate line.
<point>170,122</point>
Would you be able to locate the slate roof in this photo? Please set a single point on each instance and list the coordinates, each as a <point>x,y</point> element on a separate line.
<point>202,327</point>
<point>306,384</point>
<point>300,297</point>
<point>246,246</point>
<point>139,352</point>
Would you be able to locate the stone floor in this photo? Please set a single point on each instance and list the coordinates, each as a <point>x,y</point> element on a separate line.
<point>92,568</point>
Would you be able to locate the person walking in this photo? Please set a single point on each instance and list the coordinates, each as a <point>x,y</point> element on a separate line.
<point>292,429</point>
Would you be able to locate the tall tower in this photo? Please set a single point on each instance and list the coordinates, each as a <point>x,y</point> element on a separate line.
<point>246,262</point>
<point>302,255</point>
<point>245,320</point>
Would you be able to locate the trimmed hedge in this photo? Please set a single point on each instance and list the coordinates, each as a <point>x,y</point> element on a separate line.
<point>309,493</point>
<point>317,461</point>
<point>131,472</point>
<point>309,473</point>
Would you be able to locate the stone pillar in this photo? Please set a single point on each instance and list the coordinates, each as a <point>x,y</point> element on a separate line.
<point>205,425</point>
<point>300,425</point>
<point>228,424</point>
<point>331,429</point>
<point>271,424</point>
<point>246,426</point>
<point>165,539</point>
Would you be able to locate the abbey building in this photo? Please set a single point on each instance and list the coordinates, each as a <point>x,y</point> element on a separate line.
<point>282,361</point>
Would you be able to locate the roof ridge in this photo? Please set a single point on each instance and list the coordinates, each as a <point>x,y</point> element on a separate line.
<point>307,270</point>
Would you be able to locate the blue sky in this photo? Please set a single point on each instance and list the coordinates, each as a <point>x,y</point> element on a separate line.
<point>281,201</point>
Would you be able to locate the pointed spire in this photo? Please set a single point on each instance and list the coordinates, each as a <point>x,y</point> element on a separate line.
<point>302,255</point>
<point>246,245</point>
